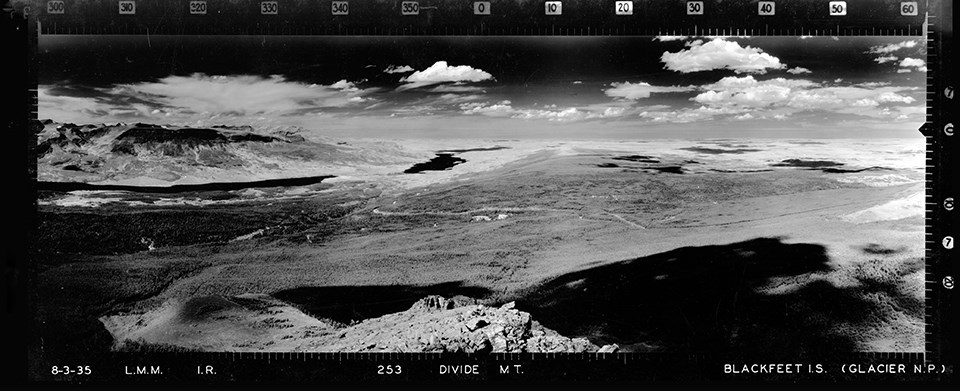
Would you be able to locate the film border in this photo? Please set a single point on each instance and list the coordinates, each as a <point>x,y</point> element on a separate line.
<point>941,85</point>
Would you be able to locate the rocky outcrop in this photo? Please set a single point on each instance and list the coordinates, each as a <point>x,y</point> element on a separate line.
<point>263,323</point>
<point>437,324</point>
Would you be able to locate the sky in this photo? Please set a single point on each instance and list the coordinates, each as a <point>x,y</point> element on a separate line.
<point>494,87</point>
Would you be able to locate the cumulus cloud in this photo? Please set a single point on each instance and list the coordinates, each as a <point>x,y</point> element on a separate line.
<point>550,113</point>
<point>890,48</point>
<point>201,97</point>
<point>798,70</point>
<point>701,113</point>
<point>720,54</point>
<point>912,62</point>
<point>883,59</point>
<point>344,85</point>
<point>917,63</point>
<point>787,96</point>
<point>634,91</point>
<point>669,38</point>
<point>885,54</point>
<point>440,72</point>
<point>500,109</point>
<point>398,69</point>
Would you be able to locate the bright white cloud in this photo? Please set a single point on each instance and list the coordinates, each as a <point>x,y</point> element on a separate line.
<point>746,98</point>
<point>398,69</point>
<point>669,38</point>
<point>501,109</point>
<point>344,85</point>
<point>634,91</point>
<point>912,62</point>
<point>720,54</point>
<point>884,59</point>
<point>798,70</point>
<point>787,96</point>
<point>890,48</point>
<point>440,72</point>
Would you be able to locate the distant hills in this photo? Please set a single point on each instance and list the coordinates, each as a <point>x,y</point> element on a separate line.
<point>158,155</point>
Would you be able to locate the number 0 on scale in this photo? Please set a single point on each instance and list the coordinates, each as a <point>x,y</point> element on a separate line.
<point>481,8</point>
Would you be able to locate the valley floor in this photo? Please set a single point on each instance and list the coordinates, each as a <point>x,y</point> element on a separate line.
<point>603,242</point>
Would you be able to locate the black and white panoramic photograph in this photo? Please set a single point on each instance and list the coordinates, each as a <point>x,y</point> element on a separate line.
<point>690,194</point>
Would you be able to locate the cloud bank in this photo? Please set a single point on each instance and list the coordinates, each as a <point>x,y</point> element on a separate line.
<point>200,97</point>
<point>641,90</point>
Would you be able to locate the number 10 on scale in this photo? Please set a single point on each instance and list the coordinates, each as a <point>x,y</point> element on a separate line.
<point>553,8</point>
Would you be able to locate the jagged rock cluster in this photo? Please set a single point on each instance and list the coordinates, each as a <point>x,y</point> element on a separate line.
<point>438,324</point>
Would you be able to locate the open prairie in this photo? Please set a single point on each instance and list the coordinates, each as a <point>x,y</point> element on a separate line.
<point>797,246</point>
